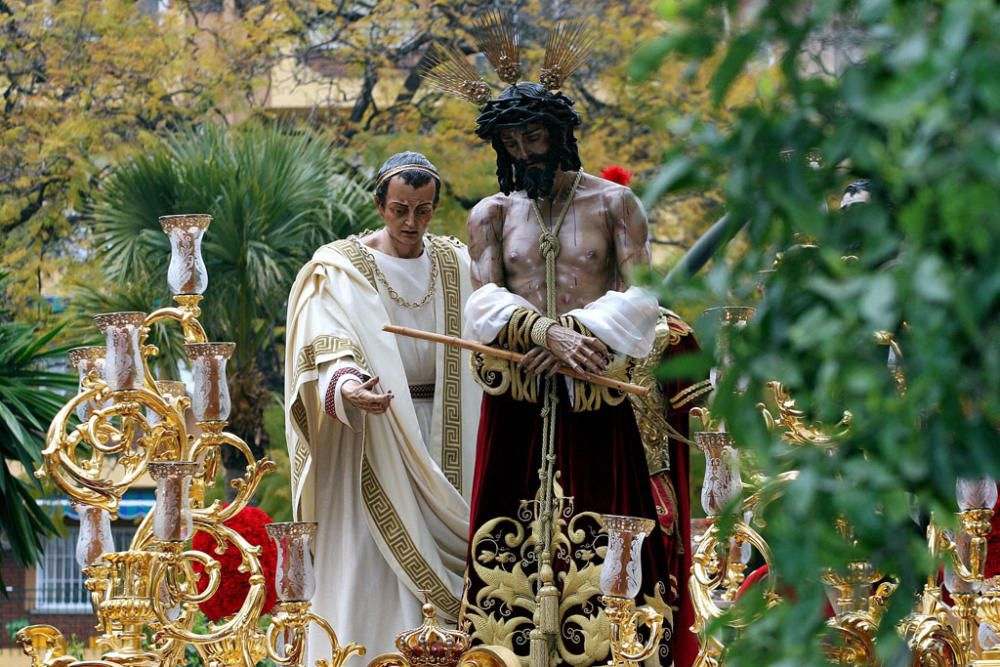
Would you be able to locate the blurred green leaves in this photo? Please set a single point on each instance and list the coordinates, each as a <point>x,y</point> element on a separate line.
<point>904,93</point>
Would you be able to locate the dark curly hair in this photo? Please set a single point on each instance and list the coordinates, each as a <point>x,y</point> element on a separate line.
<point>525,103</point>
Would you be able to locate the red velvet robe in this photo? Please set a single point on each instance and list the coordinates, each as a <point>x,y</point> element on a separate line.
<point>602,465</point>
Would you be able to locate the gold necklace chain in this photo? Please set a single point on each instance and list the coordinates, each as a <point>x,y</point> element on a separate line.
<point>390,290</point>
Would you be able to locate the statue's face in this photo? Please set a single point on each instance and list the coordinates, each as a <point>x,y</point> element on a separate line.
<point>528,144</point>
<point>407,212</point>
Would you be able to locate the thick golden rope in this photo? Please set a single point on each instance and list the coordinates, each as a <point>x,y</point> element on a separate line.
<point>547,599</point>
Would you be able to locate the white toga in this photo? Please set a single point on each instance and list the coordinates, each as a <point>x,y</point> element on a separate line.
<point>382,487</point>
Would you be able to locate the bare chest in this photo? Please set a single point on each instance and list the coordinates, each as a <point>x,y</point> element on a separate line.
<point>585,241</point>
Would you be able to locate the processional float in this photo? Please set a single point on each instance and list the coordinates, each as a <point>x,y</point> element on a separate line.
<point>123,423</point>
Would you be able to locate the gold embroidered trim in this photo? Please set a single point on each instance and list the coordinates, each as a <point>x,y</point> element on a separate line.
<point>498,376</point>
<point>444,249</point>
<point>326,344</point>
<point>499,600</point>
<point>651,410</point>
<point>305,361</point>
<point>689,394</point>
<point>301,454</point>
<point>361,260</point>
<point>402,546</point>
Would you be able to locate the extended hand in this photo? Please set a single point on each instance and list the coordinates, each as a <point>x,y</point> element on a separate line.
<point>363,397</point>
<point>579,352</point>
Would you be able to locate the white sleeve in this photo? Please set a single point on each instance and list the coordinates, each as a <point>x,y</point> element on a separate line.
<point>624,321</point>
<point>488,309</point>
<point>344,368</point>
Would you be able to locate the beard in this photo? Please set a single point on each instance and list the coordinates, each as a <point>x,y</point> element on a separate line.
<point>536,181</point>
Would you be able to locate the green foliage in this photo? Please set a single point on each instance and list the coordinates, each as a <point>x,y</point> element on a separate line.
<point>914,108</point>
<point>274,196</point>
<point>75,646</point>
<point>28,403</point>
<point>275,493</point>
<point>15,626</point>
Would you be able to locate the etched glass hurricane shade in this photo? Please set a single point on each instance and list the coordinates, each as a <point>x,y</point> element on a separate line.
<point>210,400</point>
<point>95,535</point>
<point>172,521</point>
<point>186,273</point>
<point>621,574</point>
<point>122,355</point>
<point>87,360</point>
<point>963,545</point>
<point>976,494</point>
<point>294,577</point>
<point>172,392</point>
<point>722,483</point>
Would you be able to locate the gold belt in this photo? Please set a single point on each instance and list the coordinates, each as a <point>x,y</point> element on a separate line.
<point>422,391</point>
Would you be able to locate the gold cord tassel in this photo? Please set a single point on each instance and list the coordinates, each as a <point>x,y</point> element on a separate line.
<point>548,599</point>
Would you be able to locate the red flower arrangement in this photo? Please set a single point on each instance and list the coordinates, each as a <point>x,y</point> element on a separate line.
<point>235,585</point>
<point>617,174</point>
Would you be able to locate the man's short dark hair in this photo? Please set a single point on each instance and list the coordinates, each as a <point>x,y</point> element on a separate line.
<point>415,178</point>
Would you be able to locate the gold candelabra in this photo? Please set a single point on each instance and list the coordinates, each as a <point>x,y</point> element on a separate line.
<point>127,424</point>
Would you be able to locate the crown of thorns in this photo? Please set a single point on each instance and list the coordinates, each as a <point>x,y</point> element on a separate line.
<point>566,50</point>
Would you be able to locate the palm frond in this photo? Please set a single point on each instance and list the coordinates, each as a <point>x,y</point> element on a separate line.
<point>275,196</point>
<point>28,403</point>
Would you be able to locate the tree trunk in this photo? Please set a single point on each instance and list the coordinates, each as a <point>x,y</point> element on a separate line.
<point>249,399</point>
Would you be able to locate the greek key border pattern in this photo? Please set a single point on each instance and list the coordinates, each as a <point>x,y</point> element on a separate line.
<point>327,343</point>
<point>451,405</point>
<point>391,527</point>
<point>361,260</point>
<point>301,445</point>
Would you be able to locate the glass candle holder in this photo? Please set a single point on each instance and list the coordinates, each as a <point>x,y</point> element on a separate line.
<point>172,515</point>
<point>122,356</point>
<point>87,360</point>
<point>210,400</point>
<point>722,483</point>
<point>172,392</point>
<point>95,535</point>
<point>976,494</point>
<point>187,273</point>
<point>963,548</point>
<point>294,578</point>
<point>621,574</point>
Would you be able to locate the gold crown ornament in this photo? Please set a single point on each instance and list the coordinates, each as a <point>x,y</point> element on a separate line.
<point>431,644</point>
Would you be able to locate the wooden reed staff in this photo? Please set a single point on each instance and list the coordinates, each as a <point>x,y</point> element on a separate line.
<point>601,380</point>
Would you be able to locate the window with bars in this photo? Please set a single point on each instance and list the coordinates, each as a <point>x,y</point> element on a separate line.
<point>58,580</point>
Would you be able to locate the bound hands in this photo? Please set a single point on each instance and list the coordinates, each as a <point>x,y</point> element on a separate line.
<point>567,348</point>
<point>364,397</point>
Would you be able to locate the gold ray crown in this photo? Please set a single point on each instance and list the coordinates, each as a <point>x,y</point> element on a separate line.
<point>499,41</point>
<point>449,70</point>
<point>567,49</point>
